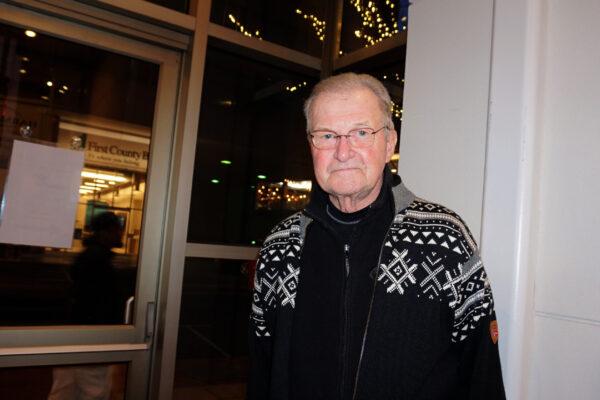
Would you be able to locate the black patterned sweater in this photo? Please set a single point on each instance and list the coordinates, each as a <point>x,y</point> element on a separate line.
<point>431,331</point>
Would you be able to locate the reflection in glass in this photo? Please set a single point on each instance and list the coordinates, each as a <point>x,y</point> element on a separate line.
<point>286,195</point>
<point>212,347</point>
<point>365,23</point>
<point>299,25</point>
<point>252,155</point>
<point>109,379</point>
<point>61,94</point>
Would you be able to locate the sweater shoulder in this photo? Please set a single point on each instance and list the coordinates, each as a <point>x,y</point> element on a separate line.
<point>421,205</point>
<point>284,229</point>
<point>444,223</point>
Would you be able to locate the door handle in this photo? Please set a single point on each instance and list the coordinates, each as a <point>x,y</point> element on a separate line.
<point>128,310</point>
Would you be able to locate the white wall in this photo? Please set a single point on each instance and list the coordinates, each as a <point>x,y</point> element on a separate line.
<point>539,160</point>
<point>508,229</point>
<point>567,267</point>
<point>445,104</point>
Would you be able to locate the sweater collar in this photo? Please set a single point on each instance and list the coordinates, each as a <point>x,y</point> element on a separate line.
<point>321,207</point>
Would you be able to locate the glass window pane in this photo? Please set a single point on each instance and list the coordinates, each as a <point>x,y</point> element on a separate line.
<point>365,23</point>
<point>253,165</point>
<point>299,25</point>
<point>177,5</point>
<point>70,96</point>
<point>64,382</point>
<point>212,346</point>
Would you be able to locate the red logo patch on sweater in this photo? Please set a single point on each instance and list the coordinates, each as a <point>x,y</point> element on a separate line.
<point>494,331</point>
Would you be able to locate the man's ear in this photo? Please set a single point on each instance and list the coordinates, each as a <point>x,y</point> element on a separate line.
<point>390,145</point>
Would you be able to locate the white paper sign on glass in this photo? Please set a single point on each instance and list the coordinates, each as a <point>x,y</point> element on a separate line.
<point>40,195</point>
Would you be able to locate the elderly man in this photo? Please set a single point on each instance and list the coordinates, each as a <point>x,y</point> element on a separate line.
<point>370,292</point>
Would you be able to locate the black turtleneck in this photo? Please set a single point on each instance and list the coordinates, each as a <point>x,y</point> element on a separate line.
<point>335,287</point>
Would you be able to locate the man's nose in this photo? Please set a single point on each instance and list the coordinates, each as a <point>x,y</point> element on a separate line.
<point>343,150</point>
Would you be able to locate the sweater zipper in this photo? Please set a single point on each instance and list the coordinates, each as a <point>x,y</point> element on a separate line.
<point>347,259</point>
<point>364,339</point>
<point>345,332</point>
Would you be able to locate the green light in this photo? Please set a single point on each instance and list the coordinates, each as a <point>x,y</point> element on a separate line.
<point>225,162</point>
<point>261,176</point>
<point>215,181</point>
<point>253,242</point>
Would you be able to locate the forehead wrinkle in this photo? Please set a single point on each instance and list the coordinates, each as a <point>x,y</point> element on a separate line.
<point>359,103</point>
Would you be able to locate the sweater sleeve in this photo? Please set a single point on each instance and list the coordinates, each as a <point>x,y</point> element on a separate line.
<point>260,336</point>
<point>475,333</point>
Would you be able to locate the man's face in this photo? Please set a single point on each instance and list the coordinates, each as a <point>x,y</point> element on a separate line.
<point>345,170</point>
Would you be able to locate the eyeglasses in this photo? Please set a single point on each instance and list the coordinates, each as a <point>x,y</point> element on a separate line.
<point>359,138</point>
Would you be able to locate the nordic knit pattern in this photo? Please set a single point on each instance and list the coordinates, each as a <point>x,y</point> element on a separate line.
<point>428,252</point>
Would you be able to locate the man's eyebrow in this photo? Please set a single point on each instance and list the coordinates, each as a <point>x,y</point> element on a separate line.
<point>322,129</point>
<point>364,124</point>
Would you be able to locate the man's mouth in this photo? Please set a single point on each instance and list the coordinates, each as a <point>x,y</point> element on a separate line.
<point>339,169</point>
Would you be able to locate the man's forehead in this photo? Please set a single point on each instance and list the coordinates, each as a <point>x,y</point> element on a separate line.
<point>358,107</point>
<point>345,95</point>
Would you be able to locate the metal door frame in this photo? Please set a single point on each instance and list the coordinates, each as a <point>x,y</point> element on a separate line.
<point>55,345</point>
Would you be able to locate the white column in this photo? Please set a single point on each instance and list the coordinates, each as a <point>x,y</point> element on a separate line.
<point>468,141</point>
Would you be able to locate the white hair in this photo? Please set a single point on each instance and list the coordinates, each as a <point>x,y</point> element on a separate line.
<point>347,82</point>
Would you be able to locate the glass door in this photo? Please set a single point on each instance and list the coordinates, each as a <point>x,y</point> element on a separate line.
<point>86,130</point>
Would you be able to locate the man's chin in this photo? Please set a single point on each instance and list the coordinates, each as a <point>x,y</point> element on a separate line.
<point>345,190</point>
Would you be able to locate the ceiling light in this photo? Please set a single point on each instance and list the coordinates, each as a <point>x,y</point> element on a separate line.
<point>108,177</point>
<point>94,185</point>
<point>91,188</point>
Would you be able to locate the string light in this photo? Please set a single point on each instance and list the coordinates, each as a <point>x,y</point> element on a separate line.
<point>397,110</point>
<point>373,19</point>
<point>242,29</point>
<point>375,23</point>
<point>317,24</point>
<point>295,87</point>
